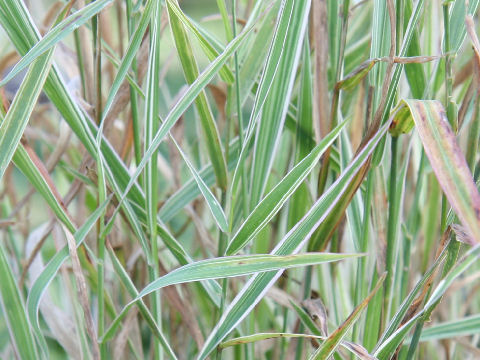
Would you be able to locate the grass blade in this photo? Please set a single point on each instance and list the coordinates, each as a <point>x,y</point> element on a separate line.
<point>446,158</point>
<point>300,200</point>
<point>277,101</point>
<point>183,103</point>
<point>129,56</point>
<point>151,168</point>
<point>14,312</point>
<point>47,275</point>
<point>469,325</point>
<point>190,69</point>
<point>274,200</point>
<point>190,190</point>
<point>212,202</point>
<point>215,175</point>
<point>209,50</point>
<point>127,282</point>
<point>386,349</point>
<point>231,266</point>
<point>24,162</point>
<point>457,22</point>
<point>402,310</point>
<point>55,35</point>
<point>328,347</point>
<point>355,349</point>
<point>275,52</point>
<point>15,122</point>
<point>290,244</point>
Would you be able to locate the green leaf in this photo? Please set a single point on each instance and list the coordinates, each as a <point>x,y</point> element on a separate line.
<point>15,122</point>
<point>21,336</point>
<point>231,266</point>
<point>130,287</point>
<point>275,52</point>
<point>212,202</point>
<point>292,242</point>
<point>457,22</point>
<point>307,320</point>
<point>151,169</point>
<point>190,69</point>
<point>294,19</point>
<point>274,200</point>
<point>356,349</point>
<point>56,34</point>
<point>173,116</point>
<point>387,347</point>
<point>330,345</point>
<point>24,163</point>
<point>211,287</point>
<point>190,190</point>
<point>129,55</point>
<point>255,54</point>
<point>152,123</point>
<point>350,81</point>
<point>47,275</point>
<point>300,200</point>
<point>209,50</point>
<point>466,326</point>
<point>414,72</point>
<point>402,121</point>
<point>402,310</point>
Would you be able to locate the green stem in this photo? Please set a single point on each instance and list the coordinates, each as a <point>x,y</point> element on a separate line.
<point>81,65</point>
<point>443,218</point>
<point>306,294</point>
<point>361,281</point>
<point>137,143</point>
<point>413,223</point>
<point>322,179</point>
<point>151,172</point>
<point>391,231</point>
<point>96,29</point>
<point>228,28</point>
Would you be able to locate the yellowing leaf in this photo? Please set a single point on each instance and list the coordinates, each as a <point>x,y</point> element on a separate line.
<point>446,158</point>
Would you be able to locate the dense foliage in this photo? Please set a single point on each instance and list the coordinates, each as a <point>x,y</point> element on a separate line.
<point>280,179</point>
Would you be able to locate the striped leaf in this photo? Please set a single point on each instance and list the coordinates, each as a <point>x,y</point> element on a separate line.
<point>56,34</point>
<point>274,200</point>
<point>257,286</point>
<point>13,309</point>
<point>16,120</point>
<point>446,158</point>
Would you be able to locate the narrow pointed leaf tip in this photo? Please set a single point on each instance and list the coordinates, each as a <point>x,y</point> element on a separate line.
<point>231,266</point>
<point>357,75</point>
<point>55,35</point>
<point>334,340</point>
<point>445,155</point>
<point>226,267</point>
<point>273,201</point>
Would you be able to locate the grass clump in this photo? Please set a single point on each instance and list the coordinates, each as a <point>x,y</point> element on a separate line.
<point>237,180</point>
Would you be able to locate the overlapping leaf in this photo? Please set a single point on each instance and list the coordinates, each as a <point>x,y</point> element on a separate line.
<point>446,158</point>
<point>56,34</point>
<point>16,120</point>
<point>229,267</point>
<point>256,287</point>
<point>13,310</point>
<point>274,200</point>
